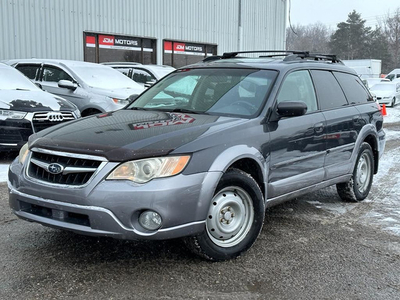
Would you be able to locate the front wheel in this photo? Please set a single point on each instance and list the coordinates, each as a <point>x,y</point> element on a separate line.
<point>358,187</point>
<point>234,219</point>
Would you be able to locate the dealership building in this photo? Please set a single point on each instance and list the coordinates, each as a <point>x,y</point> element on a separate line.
<point>169,32</point>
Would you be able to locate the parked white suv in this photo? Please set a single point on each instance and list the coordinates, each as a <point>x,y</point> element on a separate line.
<point>93,88</point>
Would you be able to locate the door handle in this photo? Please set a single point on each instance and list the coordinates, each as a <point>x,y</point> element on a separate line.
<point>319,127</point>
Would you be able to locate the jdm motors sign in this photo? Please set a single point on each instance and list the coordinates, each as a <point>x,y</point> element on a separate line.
<point>118,42</point>
<point>183,48</point>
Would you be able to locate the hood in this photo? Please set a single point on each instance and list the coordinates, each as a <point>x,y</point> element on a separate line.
<point>118,93</point>
<point>27,101</point>
<point>126,134</point>
<point>382,94</point>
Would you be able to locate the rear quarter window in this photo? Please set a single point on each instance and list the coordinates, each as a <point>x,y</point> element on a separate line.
<point>353,87</point>
<point>29,70</point>
<point>330,94</point>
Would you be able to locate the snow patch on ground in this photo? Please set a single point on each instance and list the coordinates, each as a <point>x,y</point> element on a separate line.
<point>392,114</point>
<point>3,172</point>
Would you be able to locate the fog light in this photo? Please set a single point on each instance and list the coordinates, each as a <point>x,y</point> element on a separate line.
<point>150,220</point>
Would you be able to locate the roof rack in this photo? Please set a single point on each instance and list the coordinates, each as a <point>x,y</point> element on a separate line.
<point>289,55</point>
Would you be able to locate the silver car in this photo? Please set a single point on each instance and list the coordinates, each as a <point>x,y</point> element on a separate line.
<point>93,88</point>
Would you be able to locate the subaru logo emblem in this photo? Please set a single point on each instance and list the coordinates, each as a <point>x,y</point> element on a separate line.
<point>55,168</point>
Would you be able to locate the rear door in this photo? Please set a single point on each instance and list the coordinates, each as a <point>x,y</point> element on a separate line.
<point>297,147</point>
<point>343,121</point>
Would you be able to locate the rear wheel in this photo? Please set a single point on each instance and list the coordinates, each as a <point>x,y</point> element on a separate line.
<point>234,218</point>
<point>358,187</point>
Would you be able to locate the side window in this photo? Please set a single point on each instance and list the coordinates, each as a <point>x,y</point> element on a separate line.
<point>353,87</point>
<point>298,86</point>
<point>142,76</point>
<point>54,74</point>
<point>124,71</point>
<point>31,71</point>
<point>329,92</point>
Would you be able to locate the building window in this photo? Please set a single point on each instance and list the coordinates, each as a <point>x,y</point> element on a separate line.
<point>179,54</point>
<point>108,47</point>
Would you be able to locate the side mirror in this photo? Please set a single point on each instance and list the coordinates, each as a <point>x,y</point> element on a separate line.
<point>291,108</point>
<point>132,98</point>
<point>39,85</point>
<point>67,85</point>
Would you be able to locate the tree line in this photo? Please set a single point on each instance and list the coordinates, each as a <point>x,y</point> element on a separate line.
<point>352,39</point>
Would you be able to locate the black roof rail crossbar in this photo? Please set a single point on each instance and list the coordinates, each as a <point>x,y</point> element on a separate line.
<point>289,55</point>
<point>277,53</point>
<point>315,56</point>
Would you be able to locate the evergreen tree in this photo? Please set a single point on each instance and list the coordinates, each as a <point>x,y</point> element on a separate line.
<point>378,48</point>
<point>350,40</point>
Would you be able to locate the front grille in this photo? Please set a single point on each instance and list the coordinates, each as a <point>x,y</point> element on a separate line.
<point>43,120</point>
<point>67,170</point>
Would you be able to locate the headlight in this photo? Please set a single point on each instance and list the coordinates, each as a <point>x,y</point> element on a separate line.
<point>120,101</point>
<point>77,113</point>
<point>11,114</point>
<point>387,97</point>
<point>144,170</point>
<point>23,153</point>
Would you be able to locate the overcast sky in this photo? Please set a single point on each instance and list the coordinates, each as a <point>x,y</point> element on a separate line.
<point>332,12</point>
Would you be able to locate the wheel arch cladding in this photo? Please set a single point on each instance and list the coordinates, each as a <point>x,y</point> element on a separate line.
<point>371,140</point>
<point>251,167</point>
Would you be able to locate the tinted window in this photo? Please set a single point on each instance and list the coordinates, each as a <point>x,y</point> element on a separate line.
<point>123,70</point>
<point>353,87</point>
<point>30,71</point>
<point>329,92</point>
<point>142,76</point>
<point>54,74</point>
<point>298,86</point>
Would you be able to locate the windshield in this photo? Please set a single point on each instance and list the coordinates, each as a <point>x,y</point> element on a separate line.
<point>105,78</point>
<point>239,92</point>
<point>12,79</point>
<point>383,87</point>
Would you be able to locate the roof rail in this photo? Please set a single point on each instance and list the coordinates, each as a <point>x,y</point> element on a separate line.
<point>289,55</point>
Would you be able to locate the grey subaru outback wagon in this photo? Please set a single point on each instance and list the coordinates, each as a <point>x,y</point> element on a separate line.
<point>202,153</point>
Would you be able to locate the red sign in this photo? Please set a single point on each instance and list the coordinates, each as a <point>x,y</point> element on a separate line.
<point>106,40</point>
<point>179,47</point>
<point>90,40</point>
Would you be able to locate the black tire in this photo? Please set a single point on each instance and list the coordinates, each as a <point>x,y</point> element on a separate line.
<point>358,187</point>
<point>90,111</point>
<point>234,221</point>
<point>393,102</point>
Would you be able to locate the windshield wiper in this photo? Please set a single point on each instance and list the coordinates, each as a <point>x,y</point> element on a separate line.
<point>189,111</point>
<point>138,108</point>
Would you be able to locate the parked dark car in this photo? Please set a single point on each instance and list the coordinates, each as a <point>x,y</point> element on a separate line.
<point>203,161</point>
<point>26,109</point>
<point>93,88</point>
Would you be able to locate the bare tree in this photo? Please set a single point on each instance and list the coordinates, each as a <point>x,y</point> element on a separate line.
<point>391,28</point>
<point>313,38</point>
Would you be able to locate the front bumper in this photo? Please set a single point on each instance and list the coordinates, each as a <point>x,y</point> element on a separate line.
<point>112,208</point>
<point>14,133</point>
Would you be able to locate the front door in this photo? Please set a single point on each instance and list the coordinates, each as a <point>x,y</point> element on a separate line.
<point>297,147</point>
